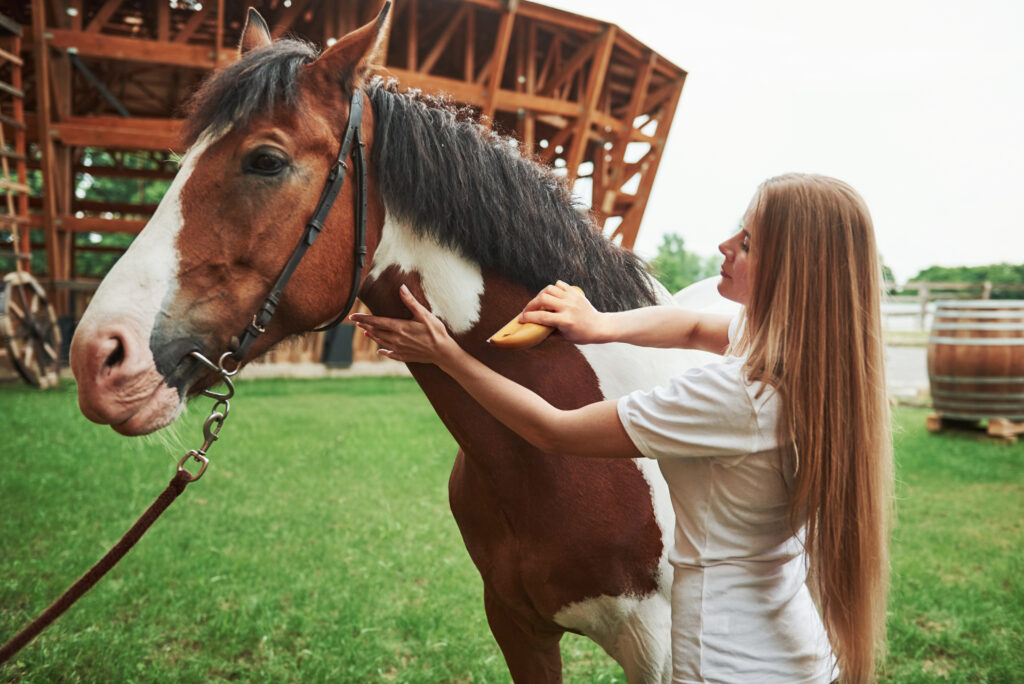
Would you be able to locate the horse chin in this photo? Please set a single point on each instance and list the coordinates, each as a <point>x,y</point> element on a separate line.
<point>162,408</point>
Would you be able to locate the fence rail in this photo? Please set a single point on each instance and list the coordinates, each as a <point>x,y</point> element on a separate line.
<point>930,292</point>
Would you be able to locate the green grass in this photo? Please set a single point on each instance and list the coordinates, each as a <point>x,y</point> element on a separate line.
<point>319,547</point>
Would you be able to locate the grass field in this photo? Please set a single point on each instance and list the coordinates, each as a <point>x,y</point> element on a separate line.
<point>319,547</point>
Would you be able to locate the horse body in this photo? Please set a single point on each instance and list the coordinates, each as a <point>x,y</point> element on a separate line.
<point>562,544</point>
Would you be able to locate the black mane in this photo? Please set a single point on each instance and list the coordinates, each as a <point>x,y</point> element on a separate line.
<point>254,85</point>
<point>471,190</point>
<point>448,177</point>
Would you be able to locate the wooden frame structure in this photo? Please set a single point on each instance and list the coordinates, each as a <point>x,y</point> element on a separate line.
<point>579,94</point>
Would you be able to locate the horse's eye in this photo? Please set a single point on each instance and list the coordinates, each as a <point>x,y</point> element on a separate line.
<point>265,163</point>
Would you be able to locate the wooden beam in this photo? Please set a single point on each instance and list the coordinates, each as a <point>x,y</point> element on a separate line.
<point>121,172</point>
<point>192,25</point>
<point>528,134</point>
<point>630,225</point>
<point>76,18</point>
<point>575,63</point>
<point>133,49</point>
<point>554,48</point>
<point>557,140</point>
<point>617,173</point>
<point>546,14</point>
<point>510,101</point>
<point>444,39</point>
<point>10,57</point>
<point>411,46</point>
<point>42,71</point>
<point>92,224</point>
<point>100,206</point>
<point>476,95</point>
<point>653,100</point>
<point>13,186</point>
<point>469,65</point>
<point>461,91</point>
<point>485,71</point>
<point>218,46</point>
<point>131,134</point>
<point>102,16</point>
<point>20,158</point>
<point>501,43</point>
<point>288,18</point>
<point>595,83</point>
<point>163,21</point>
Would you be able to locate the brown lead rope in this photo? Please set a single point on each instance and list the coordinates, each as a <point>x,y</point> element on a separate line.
<point>90,578</point>
<point>211,430</point>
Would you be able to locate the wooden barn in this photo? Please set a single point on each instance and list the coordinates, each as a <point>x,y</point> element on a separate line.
<point>93,90</point>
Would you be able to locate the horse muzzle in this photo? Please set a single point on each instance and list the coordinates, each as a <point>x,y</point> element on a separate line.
<point>118,381</point>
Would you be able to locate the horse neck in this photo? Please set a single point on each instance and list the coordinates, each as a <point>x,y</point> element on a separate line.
<point>473,303</point>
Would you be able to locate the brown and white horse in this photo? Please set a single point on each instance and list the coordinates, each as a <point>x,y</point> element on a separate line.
<point>474,230</point>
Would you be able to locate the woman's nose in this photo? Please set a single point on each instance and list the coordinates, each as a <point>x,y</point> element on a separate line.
<point>724,249</point>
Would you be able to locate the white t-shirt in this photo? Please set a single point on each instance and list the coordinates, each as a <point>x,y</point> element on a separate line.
<point>741,610</point>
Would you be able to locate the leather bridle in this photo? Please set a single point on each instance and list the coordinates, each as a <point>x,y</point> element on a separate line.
<point>335,179</point>
<point>239,347</point>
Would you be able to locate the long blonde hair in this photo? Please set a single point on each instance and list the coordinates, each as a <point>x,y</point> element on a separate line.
<point>813,332</point>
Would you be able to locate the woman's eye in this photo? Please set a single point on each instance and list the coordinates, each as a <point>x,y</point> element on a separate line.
<point>265,164</point>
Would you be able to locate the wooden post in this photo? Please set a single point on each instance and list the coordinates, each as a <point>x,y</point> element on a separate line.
<point>218,44</point>
<point>923,292</point>
<point>46,153</point>
<point>598,70</point>
<point>630,225</point>
<point>411,45</point>
<point>501,43</point>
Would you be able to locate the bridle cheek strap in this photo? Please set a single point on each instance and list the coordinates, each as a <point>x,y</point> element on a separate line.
<point>335,180</point>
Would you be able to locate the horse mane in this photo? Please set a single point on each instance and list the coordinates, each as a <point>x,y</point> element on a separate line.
<point>471,190</point>
<point>465,187</point>
<point>256,84</point>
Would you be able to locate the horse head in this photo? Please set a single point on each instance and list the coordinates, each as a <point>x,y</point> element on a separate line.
<point>262,135</point>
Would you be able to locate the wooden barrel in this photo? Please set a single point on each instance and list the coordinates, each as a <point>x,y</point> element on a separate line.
<point>976,359</point>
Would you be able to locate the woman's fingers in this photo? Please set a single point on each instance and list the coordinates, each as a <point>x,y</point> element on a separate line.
<point>419,311</point>
<point>551,319</point>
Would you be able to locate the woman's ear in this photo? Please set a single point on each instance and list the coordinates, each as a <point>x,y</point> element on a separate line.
<point>256,33</point>
<point>351,57</point>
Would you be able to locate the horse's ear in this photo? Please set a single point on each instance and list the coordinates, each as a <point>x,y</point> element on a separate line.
<point>255,34</point>
<point>352,56</point>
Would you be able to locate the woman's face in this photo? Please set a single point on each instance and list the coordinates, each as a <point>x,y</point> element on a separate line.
<point>735,284</point>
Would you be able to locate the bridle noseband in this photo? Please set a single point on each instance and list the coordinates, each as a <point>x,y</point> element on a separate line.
<point>335,179</point>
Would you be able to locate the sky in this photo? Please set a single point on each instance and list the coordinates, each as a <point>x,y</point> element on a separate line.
<point>919,105</point>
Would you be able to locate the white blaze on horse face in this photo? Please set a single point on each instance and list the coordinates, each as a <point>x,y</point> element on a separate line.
<point>145,277</point>
<point>452,284</point>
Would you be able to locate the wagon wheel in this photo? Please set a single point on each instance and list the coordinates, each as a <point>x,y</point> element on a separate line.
<point>30,331</point>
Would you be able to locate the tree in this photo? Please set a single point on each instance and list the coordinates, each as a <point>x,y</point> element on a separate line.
<point>676,268</point>
<point>997,274</point>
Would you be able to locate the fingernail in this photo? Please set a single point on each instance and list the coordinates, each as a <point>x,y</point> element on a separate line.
<point>404,289</point>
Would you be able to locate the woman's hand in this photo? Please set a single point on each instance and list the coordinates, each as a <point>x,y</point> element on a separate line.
<point>564,307</point>
<point>423,339</point>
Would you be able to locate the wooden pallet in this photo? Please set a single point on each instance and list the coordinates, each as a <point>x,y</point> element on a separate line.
<point>996,427</point>
<point>1001,427</point>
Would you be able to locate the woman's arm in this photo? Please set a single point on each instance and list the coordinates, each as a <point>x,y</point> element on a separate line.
<point>563,307</point>
<point>593,430</point>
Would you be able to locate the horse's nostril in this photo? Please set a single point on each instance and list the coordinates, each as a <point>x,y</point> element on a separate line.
<point>116,356</point>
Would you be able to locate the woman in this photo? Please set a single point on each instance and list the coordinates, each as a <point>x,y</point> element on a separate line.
<point>778,457</point>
